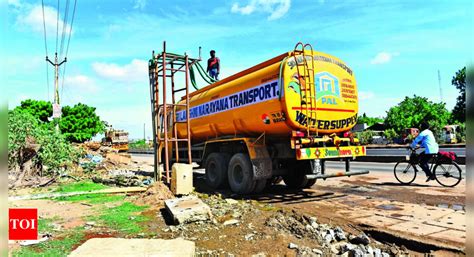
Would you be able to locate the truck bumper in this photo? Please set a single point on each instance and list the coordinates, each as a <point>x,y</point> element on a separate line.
<point>312,153</point>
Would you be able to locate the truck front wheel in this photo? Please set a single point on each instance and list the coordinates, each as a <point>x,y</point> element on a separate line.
<point>240,174</point>
<point>216,169</point>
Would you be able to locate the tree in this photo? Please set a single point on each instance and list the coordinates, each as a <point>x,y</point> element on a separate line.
<point>459,110</point>
<point>28,139</point>
<point>80,123</point>
<point>368,120</point>
<point>39,109</point>
<point>412,111</point>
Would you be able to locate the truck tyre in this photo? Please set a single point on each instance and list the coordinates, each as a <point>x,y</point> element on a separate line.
<point>240,174</point>
<point>260,186</point>
<point>296,178</point>
<point>216,169</point>
<point>310,183</point>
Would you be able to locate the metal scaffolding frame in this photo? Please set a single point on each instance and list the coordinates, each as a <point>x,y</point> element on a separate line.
<point>163,112</point>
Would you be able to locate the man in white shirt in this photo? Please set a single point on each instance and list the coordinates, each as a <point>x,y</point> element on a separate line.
<point>426,140</point>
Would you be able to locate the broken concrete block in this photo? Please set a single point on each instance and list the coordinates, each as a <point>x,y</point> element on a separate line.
<point>182,179</point>
<point>134,247</point>
<point>188,209</point>
<point>230,222</point>
<point>292,246</point>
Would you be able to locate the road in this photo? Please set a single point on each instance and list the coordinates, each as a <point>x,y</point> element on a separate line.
<point>371,166</point>
<point>460,151</point>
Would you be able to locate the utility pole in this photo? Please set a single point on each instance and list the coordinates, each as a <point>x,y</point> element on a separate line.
<point>440,90</point>
<point>144,138</point>
<point>56,104</point>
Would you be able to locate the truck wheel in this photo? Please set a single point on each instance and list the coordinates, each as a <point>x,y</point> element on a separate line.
<point>260,186</point>
<point>216,169</point>
<point>310,183</point>
<point>240,174</point>
<point>296,180</point>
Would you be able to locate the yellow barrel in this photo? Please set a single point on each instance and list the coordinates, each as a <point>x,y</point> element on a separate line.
<point>267,99</point>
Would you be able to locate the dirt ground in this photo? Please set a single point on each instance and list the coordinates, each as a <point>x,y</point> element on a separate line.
<point>411,220</point>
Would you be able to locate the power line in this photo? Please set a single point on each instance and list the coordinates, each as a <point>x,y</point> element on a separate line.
<point>66,12</point>
<point>44,30</point>
<point>67,46</point>
<point>57,27</point>
<point>70,27</point>
<point>45,48</point>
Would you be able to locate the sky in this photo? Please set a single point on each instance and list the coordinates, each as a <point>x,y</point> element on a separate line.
<point>395,48</point>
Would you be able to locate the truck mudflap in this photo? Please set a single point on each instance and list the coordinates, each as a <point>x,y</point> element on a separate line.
<point>312,153</point>
<point>261,161</point>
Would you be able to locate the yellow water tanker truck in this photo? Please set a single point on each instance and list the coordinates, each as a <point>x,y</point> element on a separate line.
<point>281,118</point>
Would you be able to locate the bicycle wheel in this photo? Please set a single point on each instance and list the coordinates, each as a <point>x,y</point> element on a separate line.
<point>404,172</point>
<point>447,174</point>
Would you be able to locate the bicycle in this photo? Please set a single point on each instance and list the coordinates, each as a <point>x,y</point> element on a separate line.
<point>446,171</point>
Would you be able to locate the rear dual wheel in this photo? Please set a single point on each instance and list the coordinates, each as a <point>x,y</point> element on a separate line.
<point>237,172</point>
<point>296,178</point>
<point>216,169</point>
<point>240,174</point>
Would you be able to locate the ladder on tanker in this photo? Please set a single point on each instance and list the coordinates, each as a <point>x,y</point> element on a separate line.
<point>162,69</point>
<point>305,70</point>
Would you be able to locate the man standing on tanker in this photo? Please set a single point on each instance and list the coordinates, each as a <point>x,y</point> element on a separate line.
<point>426,140</point>
<point>213,65</point>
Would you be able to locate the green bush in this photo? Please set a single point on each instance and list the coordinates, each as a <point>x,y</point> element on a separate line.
<point>39,109</point>
<point>461,133</point>
<point>139,144</point>
<point>390,134</point>
<point>80,123</point>
<point>365,137</point>
<point>54,153</point>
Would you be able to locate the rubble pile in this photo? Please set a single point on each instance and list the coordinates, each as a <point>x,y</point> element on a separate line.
<point>224,213</point>
<point>154,195</point>
<point>333,240</point>
<point>107,166</point>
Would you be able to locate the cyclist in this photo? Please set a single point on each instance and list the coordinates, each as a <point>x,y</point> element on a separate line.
<point>426,140</point>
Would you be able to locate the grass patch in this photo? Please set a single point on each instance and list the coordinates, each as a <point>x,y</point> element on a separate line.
<point>53,247</point>
<point>45,225</point>
<point>86,186</point>
<point>92,198</point>
<point>269,207</point>
<point>83,186</point>
<point>124,218</point>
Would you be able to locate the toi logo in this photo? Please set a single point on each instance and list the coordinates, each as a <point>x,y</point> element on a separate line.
<point>23,224</point>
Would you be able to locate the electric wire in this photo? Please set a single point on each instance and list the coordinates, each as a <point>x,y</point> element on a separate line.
<point>63,34</point>
<point>45,49</point>
<point>67,45</point>
<point>57,27</point>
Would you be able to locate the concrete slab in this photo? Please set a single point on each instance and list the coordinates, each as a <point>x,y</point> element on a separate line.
<point>378,221</point>
<point>453,220</point>
<point>188,209</point>
<point>451,235</point>
<point>416,228</point>
<point>134,247</point>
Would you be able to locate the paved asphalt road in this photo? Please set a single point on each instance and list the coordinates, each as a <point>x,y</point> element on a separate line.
<point>371,166</point>
<point>460,151</point>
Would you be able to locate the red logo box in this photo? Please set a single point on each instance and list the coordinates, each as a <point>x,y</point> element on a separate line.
<point>23,224</point>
